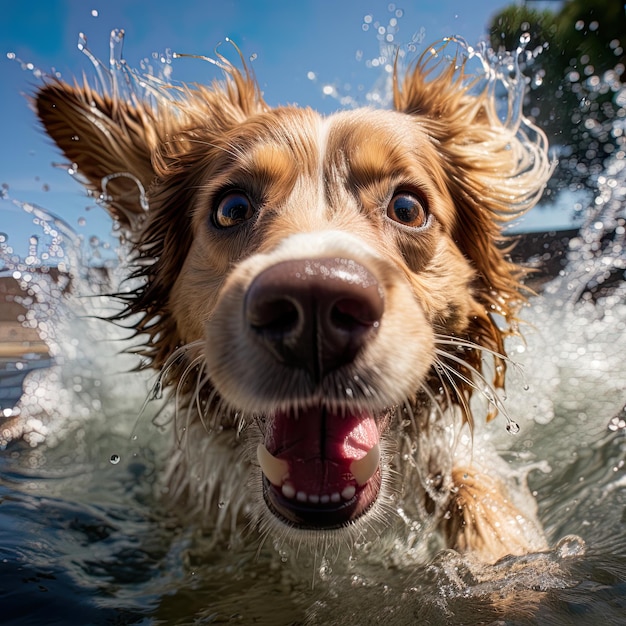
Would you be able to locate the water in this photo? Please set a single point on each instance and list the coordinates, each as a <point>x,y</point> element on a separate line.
<point>85,537</point>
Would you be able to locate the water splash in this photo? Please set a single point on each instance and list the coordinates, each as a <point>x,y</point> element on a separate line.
<point>391,49</point>
<point>65,291</point>
<point>597,256</point>
<point>574,371</point>
<point>125,82</point>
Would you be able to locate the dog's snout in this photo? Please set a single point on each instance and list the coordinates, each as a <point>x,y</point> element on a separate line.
<point>314,314</point>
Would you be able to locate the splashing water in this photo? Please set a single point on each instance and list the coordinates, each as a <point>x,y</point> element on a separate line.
<point>89,492</point>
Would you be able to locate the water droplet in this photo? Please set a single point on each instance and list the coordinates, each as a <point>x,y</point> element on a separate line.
<point>157,390</point>
<point>357,581</point>
<point>512,427</point>
<point>618,422</point>
<point>570,546</point>
<point>115,459</point>
<point>325,570</point>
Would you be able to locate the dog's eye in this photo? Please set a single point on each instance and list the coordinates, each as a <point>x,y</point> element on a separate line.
<point>234,208</point>
<point>407,209</point>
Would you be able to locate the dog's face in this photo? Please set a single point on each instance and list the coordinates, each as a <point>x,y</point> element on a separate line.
<point>321,267</point>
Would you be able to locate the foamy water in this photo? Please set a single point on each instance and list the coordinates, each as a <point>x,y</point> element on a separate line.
<point>83,531</point>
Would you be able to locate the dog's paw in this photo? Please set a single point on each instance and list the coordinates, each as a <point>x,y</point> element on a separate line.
<point>482,520</point>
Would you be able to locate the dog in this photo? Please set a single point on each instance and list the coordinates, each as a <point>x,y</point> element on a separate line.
<point>320,294</point>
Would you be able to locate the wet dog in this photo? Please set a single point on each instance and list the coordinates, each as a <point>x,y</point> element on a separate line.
<point>320,293</point>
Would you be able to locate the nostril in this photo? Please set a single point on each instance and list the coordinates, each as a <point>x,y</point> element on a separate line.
<point>353,313</point>
<point>273,317</point>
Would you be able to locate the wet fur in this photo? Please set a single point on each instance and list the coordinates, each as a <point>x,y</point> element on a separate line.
<point>159,168</point>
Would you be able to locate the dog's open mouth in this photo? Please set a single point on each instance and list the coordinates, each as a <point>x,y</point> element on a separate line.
<point>321,469</point>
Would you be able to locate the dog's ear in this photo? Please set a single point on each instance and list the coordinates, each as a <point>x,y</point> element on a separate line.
<point>495,172</point>
<point>108,141</point>
<point>137,154</point>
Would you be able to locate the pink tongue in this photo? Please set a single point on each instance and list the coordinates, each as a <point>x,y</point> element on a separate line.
<point>320,446</point>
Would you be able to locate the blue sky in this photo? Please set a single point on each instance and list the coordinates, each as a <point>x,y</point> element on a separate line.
<point>289,40</point>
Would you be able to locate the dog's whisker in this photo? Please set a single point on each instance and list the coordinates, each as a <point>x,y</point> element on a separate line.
<point>241,423</point>
<point>444,340</point>
<point>467,343</point>
<point>264,534</point>
<point>210,407</point>
<point>175,358</point>
<point>444,389</point>
<point>209,415</point>
<point>460,393</point>
<point>180,397</point>
<point>201,380</point>
<point>486,390</point>
<point>443,354</point>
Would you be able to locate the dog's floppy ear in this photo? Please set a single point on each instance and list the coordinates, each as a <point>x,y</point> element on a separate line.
<point>143,157</point>
<point>495,172</point>
<point>120,146</point>
<point>108,140</point>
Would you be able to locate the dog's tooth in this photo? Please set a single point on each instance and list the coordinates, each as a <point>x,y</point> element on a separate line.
<point>301,496</point>
<point>363,469</point>
<point>348,492</point>
<point>288,491</point>
<point>275,470</point>
<point>325,499</point>
<point>314,499</point>
<point>335,497</point>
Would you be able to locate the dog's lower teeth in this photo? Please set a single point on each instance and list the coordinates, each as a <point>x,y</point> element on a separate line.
<point>289,491</point>
<point>277,472</point>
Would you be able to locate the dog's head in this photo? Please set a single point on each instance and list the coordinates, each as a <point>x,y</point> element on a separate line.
<point>318,272</point>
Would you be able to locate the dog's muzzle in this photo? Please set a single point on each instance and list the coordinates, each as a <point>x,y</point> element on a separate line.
<point>320,462</point>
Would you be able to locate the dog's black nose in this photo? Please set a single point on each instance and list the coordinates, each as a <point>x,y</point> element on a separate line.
<point>314,314</point>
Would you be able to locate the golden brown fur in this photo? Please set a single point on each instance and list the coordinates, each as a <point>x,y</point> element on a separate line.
<point>321,188</point>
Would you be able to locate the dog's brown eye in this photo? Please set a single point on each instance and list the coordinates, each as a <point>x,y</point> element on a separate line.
<point>407,209</point>
<point>234,208</point>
